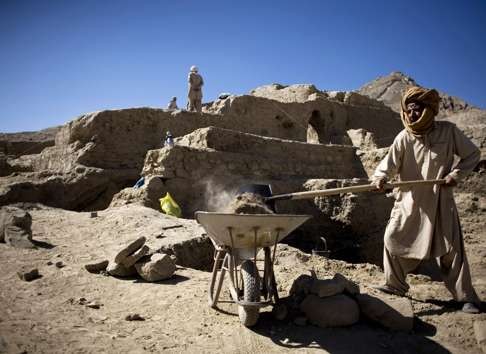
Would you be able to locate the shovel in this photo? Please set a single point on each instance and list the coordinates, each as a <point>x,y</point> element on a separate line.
<point>351,189</point>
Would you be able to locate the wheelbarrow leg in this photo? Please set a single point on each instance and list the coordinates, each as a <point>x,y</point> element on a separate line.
<point>269,276</point>
<point>279,309</point>
<point>218,266</point>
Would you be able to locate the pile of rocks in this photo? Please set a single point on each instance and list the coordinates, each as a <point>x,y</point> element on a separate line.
<point>338,302</point>
<point>137,259</point>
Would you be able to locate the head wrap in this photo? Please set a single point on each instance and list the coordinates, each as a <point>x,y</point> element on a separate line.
<point>430,100</point>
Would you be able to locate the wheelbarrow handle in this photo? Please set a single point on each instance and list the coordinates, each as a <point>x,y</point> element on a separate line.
<point>351,189</point>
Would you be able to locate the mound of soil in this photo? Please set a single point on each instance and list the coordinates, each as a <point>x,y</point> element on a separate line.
<point>249,203</point>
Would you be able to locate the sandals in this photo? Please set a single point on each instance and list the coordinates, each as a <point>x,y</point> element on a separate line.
<point>470,307</point>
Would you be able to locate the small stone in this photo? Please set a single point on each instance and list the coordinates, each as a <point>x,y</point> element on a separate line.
<point>60,264</point>
<point>130,249</point>
<point>94,305</point>
<point>49,263</point>
<point>29,275</point>
<point>94,214</point>
<point>134,317</point>
<point>96,267</point>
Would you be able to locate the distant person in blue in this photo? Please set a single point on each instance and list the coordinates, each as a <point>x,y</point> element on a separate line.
<point>196,83</point>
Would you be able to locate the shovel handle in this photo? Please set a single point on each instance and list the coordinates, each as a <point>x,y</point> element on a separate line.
<point>351,189</point>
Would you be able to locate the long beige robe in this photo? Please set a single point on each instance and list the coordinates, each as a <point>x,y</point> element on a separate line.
<point>424,222</point>
<point>195,86</point>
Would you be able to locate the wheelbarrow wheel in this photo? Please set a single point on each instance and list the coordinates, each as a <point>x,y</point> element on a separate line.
<point>251,293</point>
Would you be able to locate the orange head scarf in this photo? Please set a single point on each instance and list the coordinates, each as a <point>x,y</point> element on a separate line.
<point>430,100</point>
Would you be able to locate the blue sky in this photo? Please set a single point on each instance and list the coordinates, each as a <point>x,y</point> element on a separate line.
<point>62,58</point>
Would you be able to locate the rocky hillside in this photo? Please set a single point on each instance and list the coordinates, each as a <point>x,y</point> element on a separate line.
<point>472,120</point>
<point>388,89</point>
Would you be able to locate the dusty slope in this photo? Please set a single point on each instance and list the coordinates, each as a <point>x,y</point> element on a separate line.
<point>44,316</point>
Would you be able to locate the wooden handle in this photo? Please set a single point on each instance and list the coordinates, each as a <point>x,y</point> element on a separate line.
<point>351,189</point>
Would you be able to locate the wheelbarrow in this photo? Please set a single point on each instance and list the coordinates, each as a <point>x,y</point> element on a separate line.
<point>238,240</point>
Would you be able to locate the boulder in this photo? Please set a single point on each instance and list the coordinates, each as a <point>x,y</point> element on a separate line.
<point>327,287</point>
<point>130,260</point>
<point>15,227</point>
<point>301,287</point>
<point>332,311</point>
<point>159,267</point>
<point>396,314</point>
<point>130,249</point>
<point>119,270</point>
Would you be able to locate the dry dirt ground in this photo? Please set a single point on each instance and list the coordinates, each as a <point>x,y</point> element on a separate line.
<point>45,315</point>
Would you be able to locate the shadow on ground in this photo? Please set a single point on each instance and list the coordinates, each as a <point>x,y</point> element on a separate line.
<point>359,338</point>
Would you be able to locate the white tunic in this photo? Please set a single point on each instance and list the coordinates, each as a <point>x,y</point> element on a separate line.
<point>424,222</point>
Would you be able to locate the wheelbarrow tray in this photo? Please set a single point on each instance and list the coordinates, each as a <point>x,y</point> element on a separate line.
<point>249,230</point>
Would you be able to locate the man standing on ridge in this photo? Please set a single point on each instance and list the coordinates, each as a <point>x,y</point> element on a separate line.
<point>195,90</point>
<point>424,223</point>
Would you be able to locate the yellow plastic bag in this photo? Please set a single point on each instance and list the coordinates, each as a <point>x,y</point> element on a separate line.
<point>169,206</point>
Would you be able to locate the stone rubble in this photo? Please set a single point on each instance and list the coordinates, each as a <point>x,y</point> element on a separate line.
<point>137,259</point>
<point>337,302</point>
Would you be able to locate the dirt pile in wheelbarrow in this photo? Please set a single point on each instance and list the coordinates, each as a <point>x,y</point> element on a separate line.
<point>249,203</point>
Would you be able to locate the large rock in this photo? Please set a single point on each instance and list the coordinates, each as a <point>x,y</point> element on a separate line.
<point>396,314</point>
<point>130,249</point>
<point>333,311</point>
<point>301,287</point>
<point>329,287</point>
<point>130,260</point>
<point>119,270</point>
<point>159,267</point>
<point>15,227</point>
